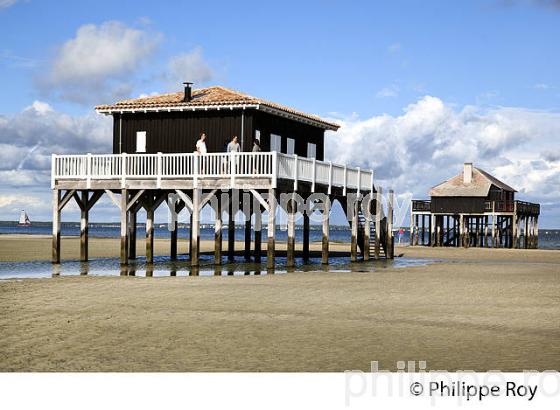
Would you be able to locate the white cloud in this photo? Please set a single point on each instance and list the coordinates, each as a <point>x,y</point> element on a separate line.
<point>28,138</point>
<point>99,63</point>
<point>189,66</point>
<point>386,92</point>
<point>17,202</point>
<point>542,86</point>
<point>4,4</point>
<point>429,142</point>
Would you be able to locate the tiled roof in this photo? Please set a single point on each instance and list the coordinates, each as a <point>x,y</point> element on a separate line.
<point>216,96</point>
<point>479,186</point>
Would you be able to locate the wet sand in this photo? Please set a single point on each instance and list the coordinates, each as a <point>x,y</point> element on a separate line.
<point>25,248</point>
<point>476,309</point>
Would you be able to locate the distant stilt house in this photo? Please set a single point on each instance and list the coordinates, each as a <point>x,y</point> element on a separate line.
<point>474,209</point>
<point>153,142</point>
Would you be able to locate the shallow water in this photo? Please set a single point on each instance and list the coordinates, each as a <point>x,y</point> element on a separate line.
<point>163,266</point>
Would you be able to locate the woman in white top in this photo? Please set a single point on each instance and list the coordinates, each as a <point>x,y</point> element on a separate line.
<point>201,144</point>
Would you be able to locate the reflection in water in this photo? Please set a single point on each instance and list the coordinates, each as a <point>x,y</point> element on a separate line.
<point>164,266</point>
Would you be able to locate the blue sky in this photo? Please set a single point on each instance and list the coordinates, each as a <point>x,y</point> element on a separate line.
<point>406,79</point>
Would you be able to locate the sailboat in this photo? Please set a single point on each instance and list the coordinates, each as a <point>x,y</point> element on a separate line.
<point>24,219</point>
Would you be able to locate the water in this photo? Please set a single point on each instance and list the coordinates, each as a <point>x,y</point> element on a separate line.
<point>548,238</point>
<point>163,266</point>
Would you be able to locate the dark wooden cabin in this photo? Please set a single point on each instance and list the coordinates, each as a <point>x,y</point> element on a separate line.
<point>474,209</point>
<point>172,123</point>
<point>470,192</point>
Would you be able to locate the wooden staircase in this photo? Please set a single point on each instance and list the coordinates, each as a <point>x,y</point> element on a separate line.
<point>372,236</point>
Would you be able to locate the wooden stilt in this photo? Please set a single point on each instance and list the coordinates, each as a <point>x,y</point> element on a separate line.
<point>56,227</point>
<point>536,240</point>
<point>195,227</point>
<point>485,241</point>
<point>526,241</point>
<point>149,229</point>
<point>231,231</point>
<point>461,230</point>
<point>247,237</point>
<point>493,226</point>
<point>84,229</point>
<point>190,234</point>
<point>258,232</point>
<point>173,240</point>
<point>390,239</point>
<point>378,217</point>
<point>412,225</point>
<point>270,248</point>
<point>291,245</point>
<point>218,234</point>
<point>354,229</point>
<point>305,236</point>
<point>432,230</point>
<point>367,232</point>
<point>325,239</point>
<point>132,233</point>
<point>124,226</point>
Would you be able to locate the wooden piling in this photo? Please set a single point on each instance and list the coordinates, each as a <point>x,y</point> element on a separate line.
<point>56,227</point>
<point>367,230</point>
<point>195,227</point>
<point>247,236</point>
<point>536,238</point>
<point>378,217</point>
<point>84,228</point>
<point>526,241</point>
<point>305,252</point>
<point>390,240</point>
<point>231,230</point>
<point>433,230</point>
<point>150,229</point>
<point>124,226</point>
<point>354,230</point>
<point>132,216</point>
<point>218,234</point>
<point>412,227</point>
<point>325,239</point>
<point>173,240</point>
<point>258,232</point>
<point>291,245</point>
<point>270,248</point>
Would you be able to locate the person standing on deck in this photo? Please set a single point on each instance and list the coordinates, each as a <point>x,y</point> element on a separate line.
<point>233,146</point>
<point>256,148</point>
<point>201,150</point>
<point>201,144</point>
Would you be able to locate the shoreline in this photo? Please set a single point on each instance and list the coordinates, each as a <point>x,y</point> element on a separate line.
<point>472,309</point>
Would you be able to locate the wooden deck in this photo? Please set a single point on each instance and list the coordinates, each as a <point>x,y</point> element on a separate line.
<point>145,181</point>
<point>213,171</point>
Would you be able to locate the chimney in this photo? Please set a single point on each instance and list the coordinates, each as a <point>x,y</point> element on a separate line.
<point>467,172</point>
<point>188,92</point>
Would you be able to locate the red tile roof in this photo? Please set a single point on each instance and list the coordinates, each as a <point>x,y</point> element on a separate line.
<point>215,96</point>
<point>479,186</point>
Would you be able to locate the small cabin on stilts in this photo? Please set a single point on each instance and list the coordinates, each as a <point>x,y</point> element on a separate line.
<point>153,164</point>
<point>474,209</point>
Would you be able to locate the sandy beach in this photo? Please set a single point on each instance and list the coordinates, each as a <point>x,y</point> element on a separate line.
<point>475,309</point>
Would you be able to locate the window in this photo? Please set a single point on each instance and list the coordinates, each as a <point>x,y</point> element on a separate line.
<point>275,142</point>
<point>141,141</point>
<point>291,148</point>
<point>311,150</point>
<point>258,135</point>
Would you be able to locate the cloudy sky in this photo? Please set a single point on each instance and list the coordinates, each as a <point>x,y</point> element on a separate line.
<point>419,87</point>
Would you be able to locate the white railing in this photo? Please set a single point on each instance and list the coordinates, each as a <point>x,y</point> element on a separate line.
<point>213,165</point>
